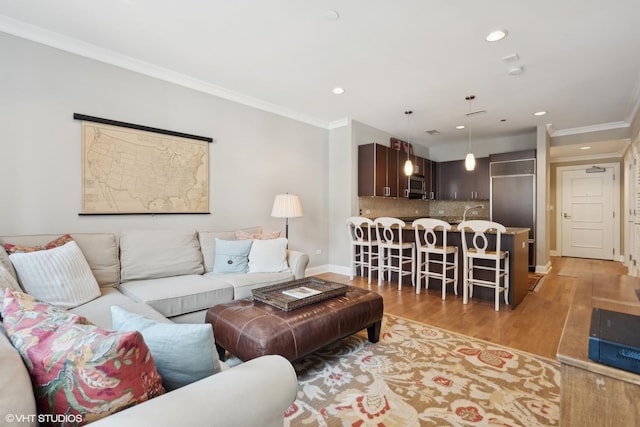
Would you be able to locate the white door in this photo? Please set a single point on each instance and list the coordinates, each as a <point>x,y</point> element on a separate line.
<point>587,214</point>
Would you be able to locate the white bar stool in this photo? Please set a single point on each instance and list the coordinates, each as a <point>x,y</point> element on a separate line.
<point>392,248</point>
<point>478,249</point>
<point>363,243</point>
<point>427,247</point>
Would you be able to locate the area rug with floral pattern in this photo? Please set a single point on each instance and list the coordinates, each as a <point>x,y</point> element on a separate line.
<point>419,375</point>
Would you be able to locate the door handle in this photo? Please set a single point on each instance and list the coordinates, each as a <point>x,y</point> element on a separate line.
<point>566,216</point>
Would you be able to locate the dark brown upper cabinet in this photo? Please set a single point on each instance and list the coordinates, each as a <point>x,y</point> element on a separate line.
<point>457,183</point>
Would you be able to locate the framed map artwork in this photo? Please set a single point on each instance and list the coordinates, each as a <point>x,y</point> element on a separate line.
<point>134,169</point>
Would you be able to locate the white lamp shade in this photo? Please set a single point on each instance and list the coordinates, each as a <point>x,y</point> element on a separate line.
<point>470,162</point>
<point>287,206</point>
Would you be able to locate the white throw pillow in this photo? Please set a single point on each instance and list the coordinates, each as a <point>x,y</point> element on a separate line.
<point>268,256</point>
<point>183,353</point>
<point>60,276</point>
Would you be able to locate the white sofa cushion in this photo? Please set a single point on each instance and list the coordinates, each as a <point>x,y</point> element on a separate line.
<point>8,281</point>
<point>182,353</point>
<point>60,276</point>
<point>254,393</point>
<point>151,254</point>
<point>5,262</point>
<point>243,283</point>
<point>268,256</point>
<point>16,392</point>
<point>177,295</point>
<point>102,253</point>
<point>98,311</point>
<point>99,249</point>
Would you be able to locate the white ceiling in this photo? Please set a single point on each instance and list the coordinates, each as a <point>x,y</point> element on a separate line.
<point>580,59</point>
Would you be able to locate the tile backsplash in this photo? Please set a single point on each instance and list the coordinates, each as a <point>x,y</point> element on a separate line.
<point>374,207</point>
<point>454,209</point>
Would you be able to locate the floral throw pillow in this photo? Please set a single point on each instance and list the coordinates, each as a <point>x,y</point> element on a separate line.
<point>243,235</point>
<point>76,367</point>
<point>15,249</point>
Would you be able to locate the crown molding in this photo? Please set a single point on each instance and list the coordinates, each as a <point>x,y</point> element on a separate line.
<point>91,51</point>
<point>550,129</point>
<point>339,123</point>
<point>635,100</point>
<point>588,129</point>
<point>602,156</point>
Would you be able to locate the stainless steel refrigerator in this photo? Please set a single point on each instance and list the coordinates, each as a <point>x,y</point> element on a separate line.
<point>513,198</point>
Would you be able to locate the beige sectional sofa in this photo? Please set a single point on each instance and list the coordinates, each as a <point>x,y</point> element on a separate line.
<point>169,276</point>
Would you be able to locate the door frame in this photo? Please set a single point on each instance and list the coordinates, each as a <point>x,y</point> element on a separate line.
<point>618,256</point>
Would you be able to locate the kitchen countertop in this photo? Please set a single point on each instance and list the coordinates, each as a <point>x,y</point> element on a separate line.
<point>455,220</point>
<point>509,230</point>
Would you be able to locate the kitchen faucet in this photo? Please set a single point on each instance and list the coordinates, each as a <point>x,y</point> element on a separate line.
<point>464,215</point>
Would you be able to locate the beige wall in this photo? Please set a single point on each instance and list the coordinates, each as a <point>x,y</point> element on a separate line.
<point>255,154</point>
<point>635,126</point>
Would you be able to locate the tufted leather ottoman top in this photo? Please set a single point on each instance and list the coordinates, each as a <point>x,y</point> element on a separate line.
<point>249,329</point>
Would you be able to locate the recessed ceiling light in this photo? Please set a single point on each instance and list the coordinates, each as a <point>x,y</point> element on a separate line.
<point>496,35</point>
<point>514,71</point>
<point>338,90</point>
<point>460,127</point>
<point>539,113</point>
<point>585,148</point>
<point>511,57</point>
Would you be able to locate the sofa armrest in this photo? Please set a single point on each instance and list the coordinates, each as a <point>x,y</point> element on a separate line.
<point>254,393</point>
<point>297,263</point>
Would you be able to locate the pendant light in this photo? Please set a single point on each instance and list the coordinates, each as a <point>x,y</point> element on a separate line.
<point>470,160</point>
<point>408,164</point>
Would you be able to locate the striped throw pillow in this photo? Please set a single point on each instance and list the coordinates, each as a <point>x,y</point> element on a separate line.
<point>60,276</point>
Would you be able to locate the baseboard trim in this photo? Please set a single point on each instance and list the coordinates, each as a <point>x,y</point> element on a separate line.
<point>328,268</point>
<point>312,271</point>
<point>543,269</point>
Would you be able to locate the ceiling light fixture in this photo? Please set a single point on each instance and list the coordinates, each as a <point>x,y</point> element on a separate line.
<point>511,57</point>
<point>496,35</point>
<point>585,148</point>
<point>514,71</point>
<point>460,127</point>
<point>408,164</point>
<point>331,15</point>
<point>338,90</point>
<point>539,113</point>
<point>469,160</point>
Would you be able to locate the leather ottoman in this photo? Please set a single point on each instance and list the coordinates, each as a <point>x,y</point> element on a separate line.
<point>249,329</point>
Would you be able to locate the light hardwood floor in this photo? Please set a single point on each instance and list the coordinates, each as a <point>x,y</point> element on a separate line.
<point>534,326</point>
